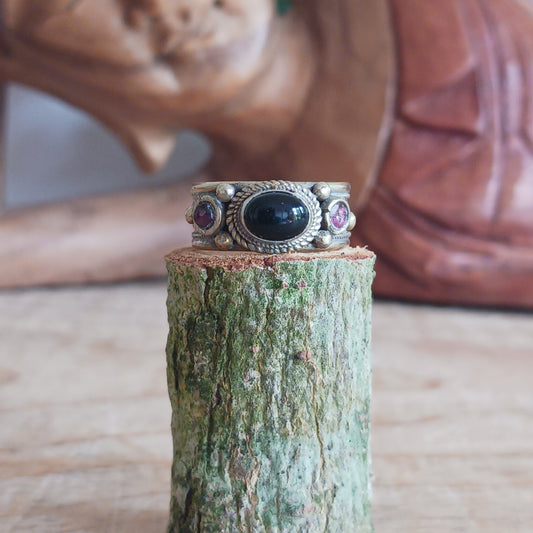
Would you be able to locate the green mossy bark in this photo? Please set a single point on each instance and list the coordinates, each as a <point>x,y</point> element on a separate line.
<point>269,379</point>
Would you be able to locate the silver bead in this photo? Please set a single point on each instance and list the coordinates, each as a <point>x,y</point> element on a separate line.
<point>322,190</point>
<point>323,239</point>
<point>352,222</point>
<point>189,215</point>
<point>223,241</point>
<point>225,192</point>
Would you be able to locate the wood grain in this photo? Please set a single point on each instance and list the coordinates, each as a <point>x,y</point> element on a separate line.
<point>85,441</point>
<point>88,239</point>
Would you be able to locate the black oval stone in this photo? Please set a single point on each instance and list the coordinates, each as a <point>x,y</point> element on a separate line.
<point>276,216</point>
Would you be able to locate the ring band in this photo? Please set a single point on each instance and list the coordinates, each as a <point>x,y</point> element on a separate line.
<point>271,217</point>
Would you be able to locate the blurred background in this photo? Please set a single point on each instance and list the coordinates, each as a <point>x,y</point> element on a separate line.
<point>73,155</point>
<point>425,107</point>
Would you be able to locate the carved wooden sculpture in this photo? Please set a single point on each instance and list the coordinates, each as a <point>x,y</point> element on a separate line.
<point>424,106</point>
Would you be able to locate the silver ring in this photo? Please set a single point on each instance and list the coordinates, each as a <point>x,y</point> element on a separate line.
<point>271,217</point>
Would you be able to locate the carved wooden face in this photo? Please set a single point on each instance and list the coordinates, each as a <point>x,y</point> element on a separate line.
<point>164,49</point>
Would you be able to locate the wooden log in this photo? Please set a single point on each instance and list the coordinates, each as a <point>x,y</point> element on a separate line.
<point>269,379</point>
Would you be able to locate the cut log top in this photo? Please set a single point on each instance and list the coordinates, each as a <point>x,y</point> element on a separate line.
<point>237,261</point>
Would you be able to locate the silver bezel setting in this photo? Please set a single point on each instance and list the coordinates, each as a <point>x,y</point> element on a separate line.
<point>241,234</point>
<point>218,210</point>
<point>326,209</point>
<point>230,232</point>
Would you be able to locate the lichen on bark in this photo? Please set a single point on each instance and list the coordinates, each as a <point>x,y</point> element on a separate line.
<point>269,379</point>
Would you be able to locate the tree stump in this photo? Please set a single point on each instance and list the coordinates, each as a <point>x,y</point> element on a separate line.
<point>269,379</point>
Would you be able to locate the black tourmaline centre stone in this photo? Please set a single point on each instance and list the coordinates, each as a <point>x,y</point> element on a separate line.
<point>276,216</point>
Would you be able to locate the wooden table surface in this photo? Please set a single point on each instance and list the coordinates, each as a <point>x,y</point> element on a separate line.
<point>84,415</point>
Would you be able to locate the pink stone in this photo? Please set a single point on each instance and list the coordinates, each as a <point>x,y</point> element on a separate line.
<point>339,215</point>
<point>204,215</point>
